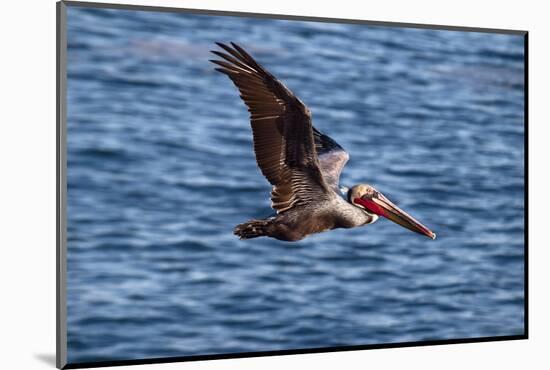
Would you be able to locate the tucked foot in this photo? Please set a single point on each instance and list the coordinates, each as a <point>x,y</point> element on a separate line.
<point>252,229</point>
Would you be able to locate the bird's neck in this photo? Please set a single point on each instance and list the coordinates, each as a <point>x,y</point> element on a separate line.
<point>353,216</point>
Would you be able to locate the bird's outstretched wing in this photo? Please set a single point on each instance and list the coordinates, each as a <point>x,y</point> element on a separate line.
<point>332,158</point>
<point>284,141</point>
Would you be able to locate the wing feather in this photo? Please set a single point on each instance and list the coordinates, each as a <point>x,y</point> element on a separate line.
<point>332,158</point>
<point>284,142</point>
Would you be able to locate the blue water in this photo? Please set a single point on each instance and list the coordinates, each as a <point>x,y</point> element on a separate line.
<point>160,169</point>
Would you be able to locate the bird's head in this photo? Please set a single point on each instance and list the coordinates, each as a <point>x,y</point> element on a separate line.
<point>374,203</point>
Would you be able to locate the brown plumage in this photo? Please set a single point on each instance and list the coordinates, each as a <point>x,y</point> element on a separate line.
<point>302,164</point>
<point>281,125</point>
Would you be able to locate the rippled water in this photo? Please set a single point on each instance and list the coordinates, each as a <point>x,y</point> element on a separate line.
<point>160,169</point>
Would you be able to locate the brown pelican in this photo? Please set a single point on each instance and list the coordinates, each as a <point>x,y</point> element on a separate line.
<point>302,164</point>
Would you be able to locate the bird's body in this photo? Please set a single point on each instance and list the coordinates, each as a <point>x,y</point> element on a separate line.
<point>302,164</point>
<point>301,221</point>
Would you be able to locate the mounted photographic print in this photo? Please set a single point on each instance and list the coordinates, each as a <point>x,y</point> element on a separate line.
<point>237,185</point>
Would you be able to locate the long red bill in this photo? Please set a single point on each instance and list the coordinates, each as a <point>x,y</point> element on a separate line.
<point>382,206</point>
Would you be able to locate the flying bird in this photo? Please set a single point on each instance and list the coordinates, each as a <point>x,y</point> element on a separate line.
<point>302,164</point>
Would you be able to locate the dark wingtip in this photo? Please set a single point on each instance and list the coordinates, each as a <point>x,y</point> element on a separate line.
<point>216,62</point>
<point>231,50</point>
<point>224,71</point>
<point>240,49</point>
<point>224,46</point>
<point>221,45</point>
<point>216,52</point>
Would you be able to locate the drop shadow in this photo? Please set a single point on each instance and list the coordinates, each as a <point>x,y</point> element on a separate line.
<point>47,358</point>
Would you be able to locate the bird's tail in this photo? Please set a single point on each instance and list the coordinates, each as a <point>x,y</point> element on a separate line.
<point>252,229</point>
